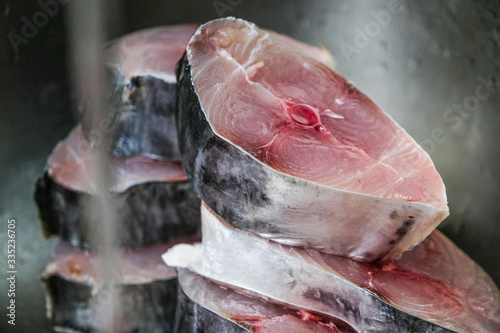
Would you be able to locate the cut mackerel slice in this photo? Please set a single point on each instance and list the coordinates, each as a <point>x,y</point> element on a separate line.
<point>278,143</point>
<point>204,306</point>
<point>146,287</point>
<point>433,288</point>
<point>154,201</point>
<point>141,114</point>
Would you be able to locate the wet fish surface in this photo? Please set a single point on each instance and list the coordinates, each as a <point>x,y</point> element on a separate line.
<point>206,307</point>
<point>192,317</point>
<point>141,115</point>
<point>154,201</point>
<point>147,290</point>
<point>278,143</point>
<point>433,288</point>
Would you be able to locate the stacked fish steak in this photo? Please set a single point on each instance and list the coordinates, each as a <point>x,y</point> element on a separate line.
<point>155,204</point>
<point>319,211</point>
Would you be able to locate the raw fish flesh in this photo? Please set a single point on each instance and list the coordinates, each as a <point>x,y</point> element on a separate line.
<point>73,160</point>
<point>204,306</point>
<point>433,288</point>
<point>278,143</point>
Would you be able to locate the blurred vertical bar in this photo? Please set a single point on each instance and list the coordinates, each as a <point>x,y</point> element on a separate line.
<point>91,23</point>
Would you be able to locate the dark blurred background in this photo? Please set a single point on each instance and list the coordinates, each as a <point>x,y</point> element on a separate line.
<point>433,66</point>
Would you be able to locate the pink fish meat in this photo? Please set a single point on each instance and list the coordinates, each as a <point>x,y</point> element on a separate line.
<point>278,143</point>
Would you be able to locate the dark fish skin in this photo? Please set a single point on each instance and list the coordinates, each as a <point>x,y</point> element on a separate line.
<point>149,213</point>
<point>233,194</point>
<point>146,307</point>
<point>191,317</point>
<point>141,115</point>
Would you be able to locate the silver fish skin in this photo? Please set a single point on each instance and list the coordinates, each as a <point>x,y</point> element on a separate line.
<point>192,316</point>
<point>433,288</point>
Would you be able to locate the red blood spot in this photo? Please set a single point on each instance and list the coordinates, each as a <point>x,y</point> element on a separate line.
<point>305,115</point>
<point>317,322</point>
